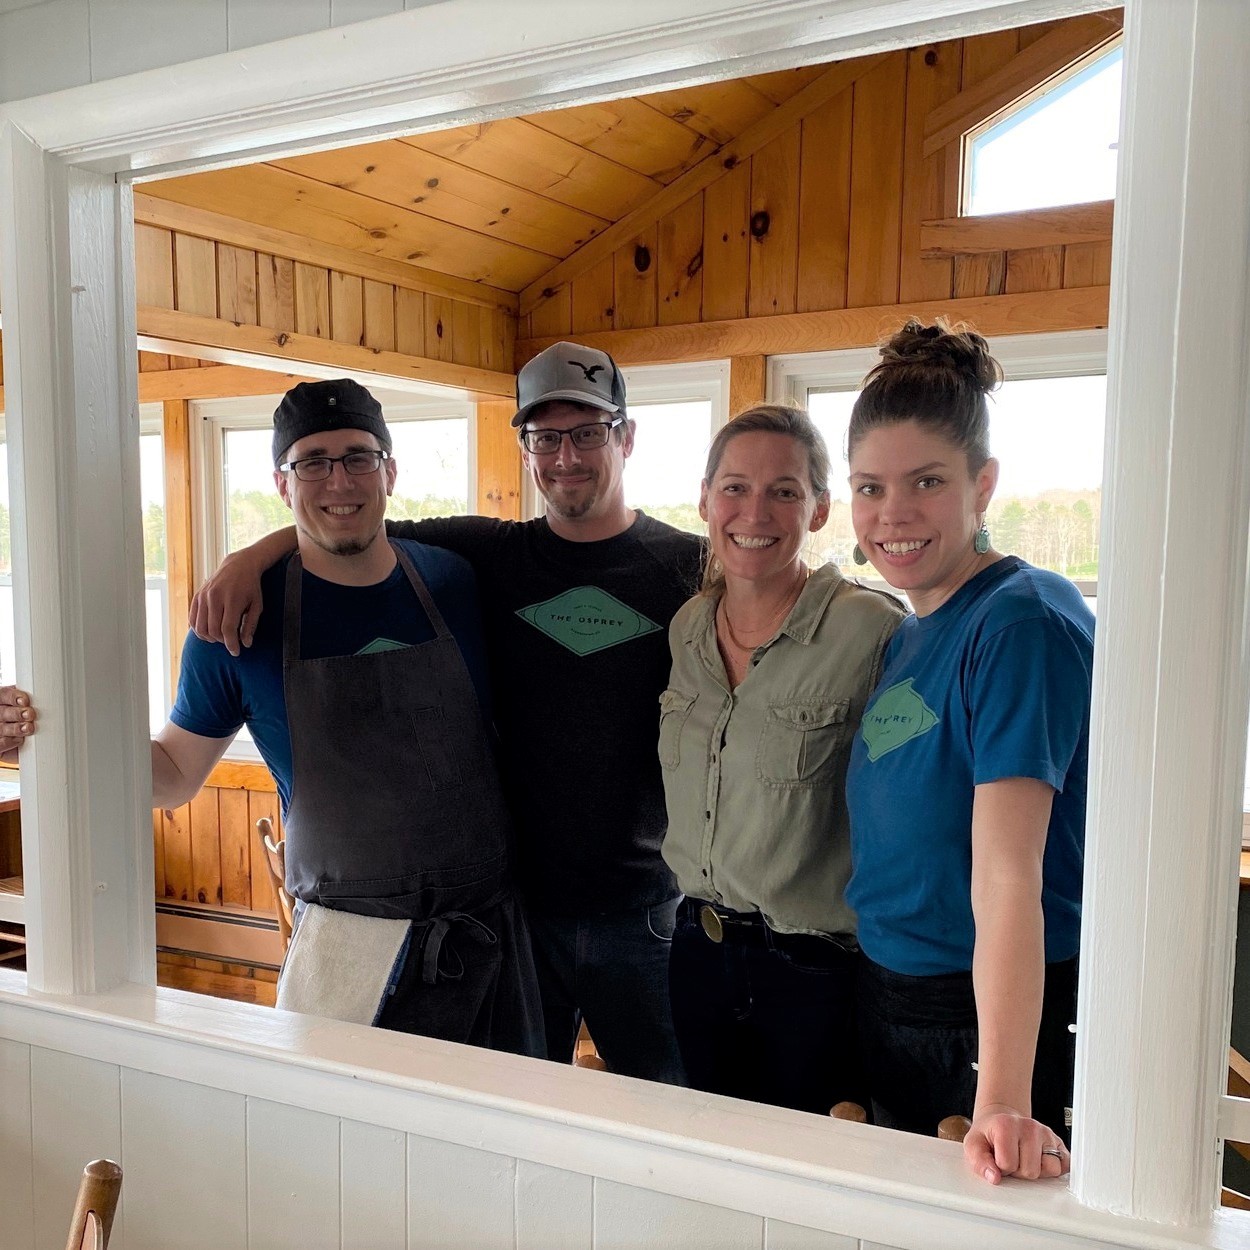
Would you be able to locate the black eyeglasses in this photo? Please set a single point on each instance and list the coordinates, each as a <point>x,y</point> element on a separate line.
<point>317,468</point>
<point>583,437</point>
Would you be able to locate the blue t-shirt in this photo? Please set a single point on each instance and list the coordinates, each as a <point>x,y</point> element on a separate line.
<point>994,684</point>
<point>218,692</point>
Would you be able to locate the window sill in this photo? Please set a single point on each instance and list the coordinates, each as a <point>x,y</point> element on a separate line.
<point>853,1179</point>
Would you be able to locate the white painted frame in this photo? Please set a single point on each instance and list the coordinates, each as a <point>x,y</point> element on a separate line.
<point>1155,994</point>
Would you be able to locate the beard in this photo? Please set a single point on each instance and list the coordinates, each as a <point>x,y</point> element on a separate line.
<point>571,507</point>
<point>346,546</point>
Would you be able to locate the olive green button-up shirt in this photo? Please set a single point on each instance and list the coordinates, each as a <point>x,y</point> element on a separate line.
<point>755,778</point>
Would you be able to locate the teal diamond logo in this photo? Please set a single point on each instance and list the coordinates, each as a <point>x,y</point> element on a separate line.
<point>587,620</point>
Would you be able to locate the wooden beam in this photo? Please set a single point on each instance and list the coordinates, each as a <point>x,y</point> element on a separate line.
<point>1030,70</point>
<point>748,382</point>
<point>163,330</point>
<point>214,382</point>
<point>498,461</point>
<point>179,553</point>
<point>1076,308</point>
<point>1003,232</point>
<point>186,219</point>
<point>836,79</point>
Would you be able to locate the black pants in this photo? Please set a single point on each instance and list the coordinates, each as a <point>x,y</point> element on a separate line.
<point>918,1037</point>
<point>763,1015</point>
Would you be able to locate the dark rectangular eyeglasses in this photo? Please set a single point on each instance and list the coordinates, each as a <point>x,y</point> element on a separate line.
<point>584,437</point>
<point>315,468</point>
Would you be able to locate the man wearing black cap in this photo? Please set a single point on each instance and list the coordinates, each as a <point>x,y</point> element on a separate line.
<point>364,692</point>
<point>576,606</point>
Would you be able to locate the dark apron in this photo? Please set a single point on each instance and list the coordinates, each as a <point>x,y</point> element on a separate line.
<point>396,811</point>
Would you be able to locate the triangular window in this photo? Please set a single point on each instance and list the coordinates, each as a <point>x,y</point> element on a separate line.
<point>1057,146</point>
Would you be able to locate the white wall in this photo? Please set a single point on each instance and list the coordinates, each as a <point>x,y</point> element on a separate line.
<point>49,45</point>
<point>242,1127</point>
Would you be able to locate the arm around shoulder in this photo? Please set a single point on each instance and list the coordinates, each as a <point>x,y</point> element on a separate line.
<point>226,608</point>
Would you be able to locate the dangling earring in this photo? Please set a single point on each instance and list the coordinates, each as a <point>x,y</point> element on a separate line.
<point>981,543</point>
<point>858,555</point>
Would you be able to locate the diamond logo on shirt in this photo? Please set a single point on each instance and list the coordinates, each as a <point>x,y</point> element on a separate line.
<point>587,619</point>
<point>897,715</point>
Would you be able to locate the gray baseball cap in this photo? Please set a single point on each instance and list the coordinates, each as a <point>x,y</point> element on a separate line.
<point>578,375</point>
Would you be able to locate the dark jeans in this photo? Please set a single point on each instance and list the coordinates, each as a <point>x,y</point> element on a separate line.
<point>918,1036</point>
<point>763,1015</point>
<point>613,971</point>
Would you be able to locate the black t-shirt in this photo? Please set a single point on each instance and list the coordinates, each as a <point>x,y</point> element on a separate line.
<point>577,635</point>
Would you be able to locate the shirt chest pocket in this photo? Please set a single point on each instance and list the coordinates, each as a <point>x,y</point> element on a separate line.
<point>801,741</point>
<point>674,712</point>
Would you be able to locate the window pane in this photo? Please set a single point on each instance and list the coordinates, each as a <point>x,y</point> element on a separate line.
<point>432,458</point>
<point>156,598</point>
<point>156,595</point>
<point>666,468</point>
<point>1047,434</point>
<point>1058,149</point>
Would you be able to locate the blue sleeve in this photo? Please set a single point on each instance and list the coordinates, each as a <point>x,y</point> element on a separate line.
<point>1028,693</point>
<point>210,696</point>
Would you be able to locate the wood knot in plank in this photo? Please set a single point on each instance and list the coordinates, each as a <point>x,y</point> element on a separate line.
<point>931,57</point>
<point>695,264</point>
<point>759,224</point>
<point>642,258</point>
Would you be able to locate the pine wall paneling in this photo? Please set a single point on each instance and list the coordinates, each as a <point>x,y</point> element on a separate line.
<point>837,199</point>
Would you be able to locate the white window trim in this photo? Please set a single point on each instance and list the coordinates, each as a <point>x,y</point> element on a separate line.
<point>1154,998</point>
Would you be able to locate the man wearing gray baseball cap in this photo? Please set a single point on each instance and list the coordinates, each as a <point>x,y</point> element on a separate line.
<point>576,606</point>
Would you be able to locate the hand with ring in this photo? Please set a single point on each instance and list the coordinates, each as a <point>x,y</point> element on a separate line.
<point>1005,1142</point>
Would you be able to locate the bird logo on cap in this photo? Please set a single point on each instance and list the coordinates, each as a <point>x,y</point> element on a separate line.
<point>588,370</point>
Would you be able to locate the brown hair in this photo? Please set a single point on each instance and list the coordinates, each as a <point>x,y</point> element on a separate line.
<point>787,419</point>
<point>937,376</point>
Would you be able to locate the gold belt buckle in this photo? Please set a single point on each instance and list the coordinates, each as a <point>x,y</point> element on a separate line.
<point>710,919</point>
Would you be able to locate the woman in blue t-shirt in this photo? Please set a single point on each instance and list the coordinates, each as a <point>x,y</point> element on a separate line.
<point>967,780</point>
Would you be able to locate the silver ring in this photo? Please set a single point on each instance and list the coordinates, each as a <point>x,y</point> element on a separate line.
<point>1051,1150</point>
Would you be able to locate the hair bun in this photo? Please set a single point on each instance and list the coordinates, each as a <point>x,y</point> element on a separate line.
<point>942,346</point>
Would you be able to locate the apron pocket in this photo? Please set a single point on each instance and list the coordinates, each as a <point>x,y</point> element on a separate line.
<point>438,750</point>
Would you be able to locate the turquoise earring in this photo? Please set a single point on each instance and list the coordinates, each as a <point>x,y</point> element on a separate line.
<point>981,543</point>
<point>858,555</point>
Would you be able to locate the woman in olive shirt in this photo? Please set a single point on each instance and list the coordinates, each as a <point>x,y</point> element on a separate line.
<point>772,666</point>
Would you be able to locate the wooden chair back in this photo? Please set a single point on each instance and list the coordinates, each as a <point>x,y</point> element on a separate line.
<point>274,851</point>
<point>97,1204</point>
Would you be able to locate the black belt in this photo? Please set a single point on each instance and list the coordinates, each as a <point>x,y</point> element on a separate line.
<point>749,928</point>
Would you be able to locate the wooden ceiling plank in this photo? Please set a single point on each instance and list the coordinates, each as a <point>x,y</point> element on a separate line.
<point>630,133</point>
<point>282,244</point>
<point>210,338</point>
<point>833,80</point>
<point>719,110</point>
<point>284,201</point>
<point>1030,69</point>
<point>1033,227</point>
<point>433,186</point>
<point>1078,308</point>
<point>521,154</point>
<point>185,215</point>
